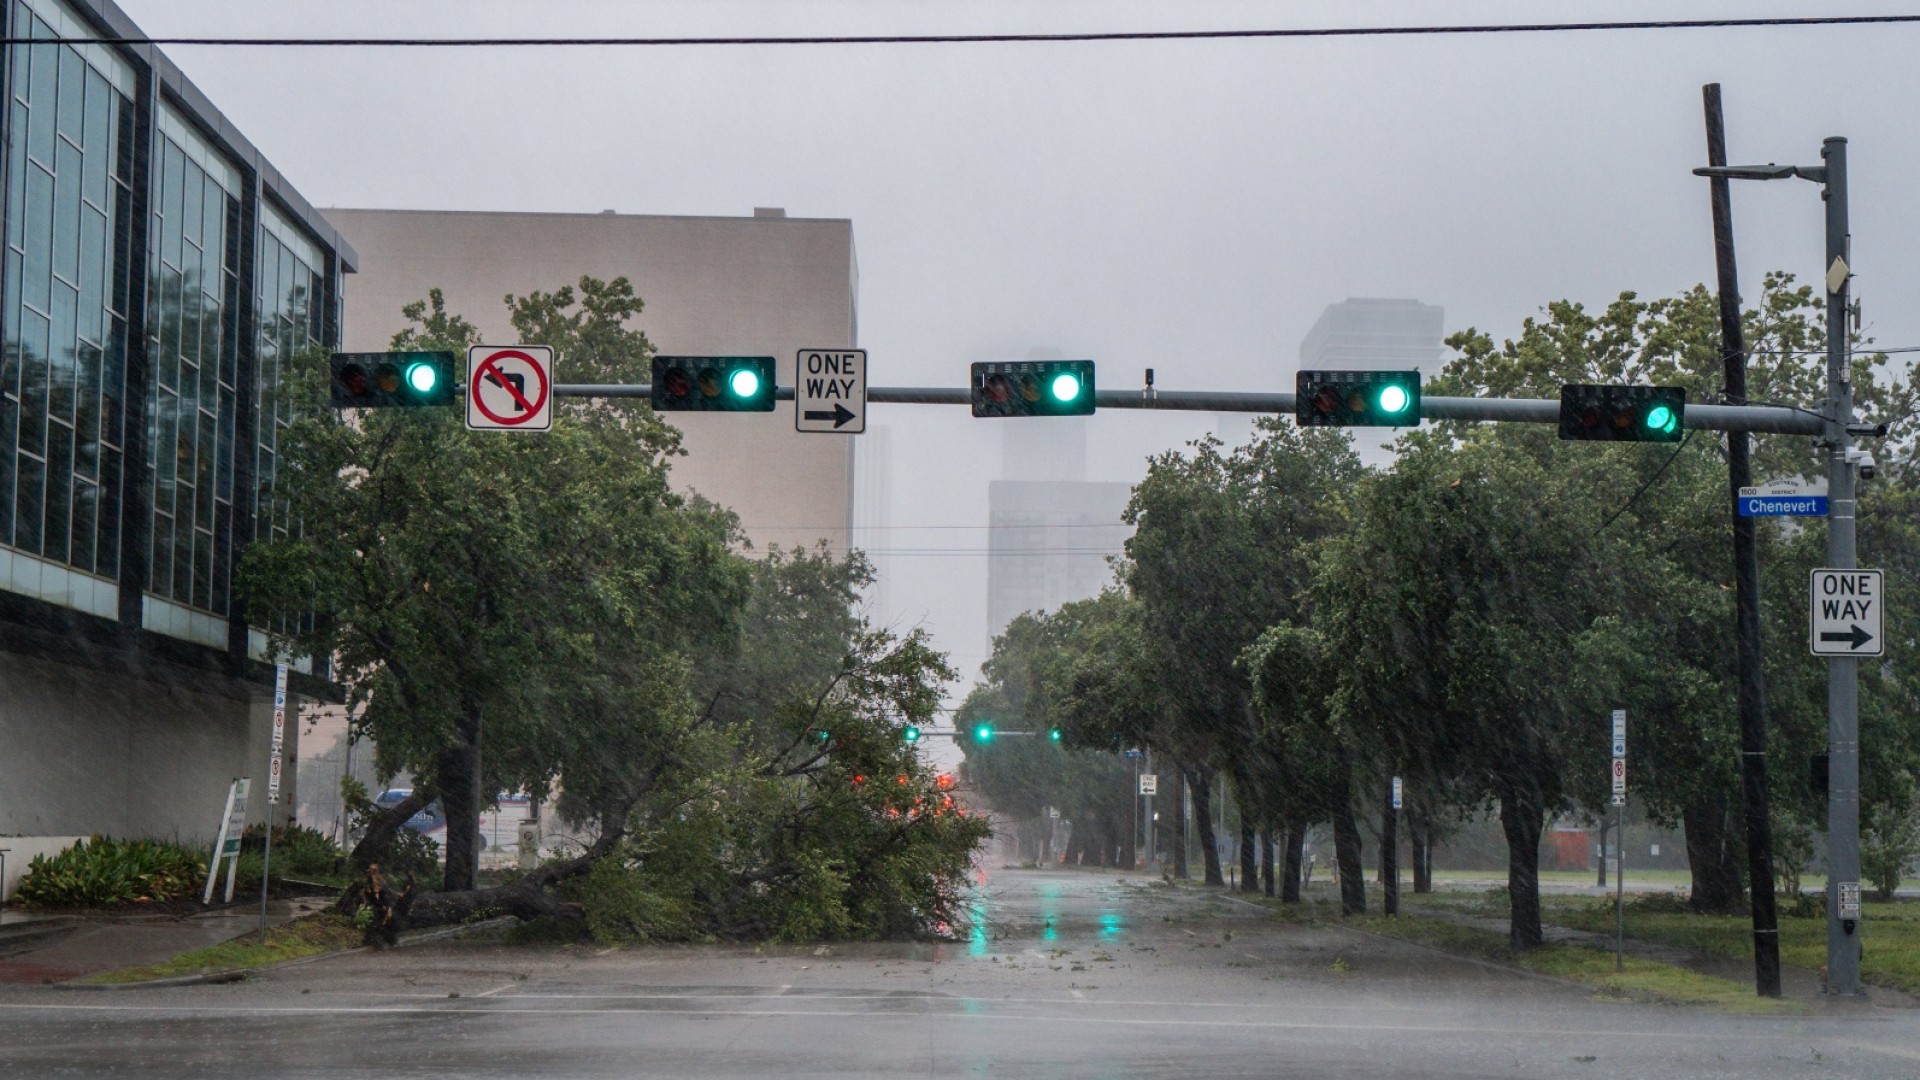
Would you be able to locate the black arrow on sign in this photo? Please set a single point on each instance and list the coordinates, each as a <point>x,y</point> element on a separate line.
<point>1857,635</point>
<point>839,415</point>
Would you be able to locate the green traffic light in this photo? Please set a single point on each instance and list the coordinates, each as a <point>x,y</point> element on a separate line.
<point>1054,734</point>
<point>744,382</point>
<point>1393,399</point>
<point>910,734</point>
<point>1660,418</point>
<point>983,733</point>
<point>422,378</point>
<point>1066,387</point>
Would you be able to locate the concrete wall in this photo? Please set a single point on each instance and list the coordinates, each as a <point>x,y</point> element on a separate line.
<point>754,286</point>
<point>84,751</point>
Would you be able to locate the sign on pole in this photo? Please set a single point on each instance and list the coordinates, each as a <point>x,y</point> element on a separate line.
<point>509,388</point>
<point>830,391</point>
<point>1843,608</point>
<point>1619,757</point>
<point>1149,784</point>
<point>1396,793</point>
<point>1782,500</point>
<point>279,734</point>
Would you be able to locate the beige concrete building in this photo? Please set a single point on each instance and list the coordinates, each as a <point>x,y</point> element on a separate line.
<point>766,285</point>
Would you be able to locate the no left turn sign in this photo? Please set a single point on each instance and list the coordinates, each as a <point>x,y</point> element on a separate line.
<point>509,388</point>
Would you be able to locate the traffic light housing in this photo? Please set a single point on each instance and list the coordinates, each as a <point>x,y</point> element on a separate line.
<point>910,734</point>
<point>1357,399</point>
<point>983,733</point>
<point>713,384</point>
<point>389,380</point>
<point>1032,388</point>
<point>1590,413</point>
<point>1053,734</point>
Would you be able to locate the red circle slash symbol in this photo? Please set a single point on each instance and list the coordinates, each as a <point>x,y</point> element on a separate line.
<point>489,372</point>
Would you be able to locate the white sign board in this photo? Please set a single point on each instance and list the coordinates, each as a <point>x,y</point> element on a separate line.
<point>830,391</point>
<point>279,734</point>
<point>1149,784</point>
<point>509,388</point>
<point>1396,793</point>
<point>1844,609</point>
<point>1849,899</point>
<point>1619,776</point>
<point>227,844</point>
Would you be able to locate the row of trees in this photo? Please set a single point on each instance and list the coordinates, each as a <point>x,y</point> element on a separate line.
<point>545,614</point>
<point>1305,629</point>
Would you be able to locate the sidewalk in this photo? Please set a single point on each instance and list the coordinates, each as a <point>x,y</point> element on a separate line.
<point>103,944</point>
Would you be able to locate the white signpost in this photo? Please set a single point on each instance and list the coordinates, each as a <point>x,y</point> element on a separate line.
<point>227,844</point>
<point>1843,608</point>
<point>830,391</point>
<point>1620,839</point>
<point>1149,784</point>
<point>509,388</point>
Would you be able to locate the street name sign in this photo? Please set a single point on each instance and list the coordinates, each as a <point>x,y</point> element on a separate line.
<point>509,388</point>
<point>830,391</point>
<point>1782,500</point>
<point>1844,613</point>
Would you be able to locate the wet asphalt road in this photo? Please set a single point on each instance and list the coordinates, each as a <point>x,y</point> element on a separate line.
<point>1070,975</point>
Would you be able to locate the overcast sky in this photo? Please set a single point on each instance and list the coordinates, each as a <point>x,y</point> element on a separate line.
<point>1189,206</point>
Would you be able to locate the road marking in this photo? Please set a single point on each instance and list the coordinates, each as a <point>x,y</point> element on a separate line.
<point>610,949</point>
<point>1077,994</point>
<point>495,990</point>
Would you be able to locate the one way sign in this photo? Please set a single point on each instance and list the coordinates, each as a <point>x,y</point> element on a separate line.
<point>1844,613</point>
<point>830,391</point>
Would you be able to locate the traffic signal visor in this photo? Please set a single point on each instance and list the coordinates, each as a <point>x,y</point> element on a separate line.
<point>713,384</point>
<point>1357,398</point>
<point>1033,388</point>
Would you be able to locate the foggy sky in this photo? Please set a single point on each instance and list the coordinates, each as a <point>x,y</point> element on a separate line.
<point>1190,207</point>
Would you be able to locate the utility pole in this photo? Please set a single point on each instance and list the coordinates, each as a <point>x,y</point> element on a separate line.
<point>1836,433</point>
<point>1843,672</point>
<point>1749,675</point>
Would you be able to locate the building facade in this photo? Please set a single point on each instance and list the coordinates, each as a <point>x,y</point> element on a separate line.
<point>157,272</point>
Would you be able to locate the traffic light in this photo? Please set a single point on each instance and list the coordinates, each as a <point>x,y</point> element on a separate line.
<point>1033,388</point>
<point>713,384</point>
<point>910,734</point>
<point>393,380</point>
<point>1591,413</point>
<point>1053,734</point>
<point>983,733</point>
<point>1357,399</point>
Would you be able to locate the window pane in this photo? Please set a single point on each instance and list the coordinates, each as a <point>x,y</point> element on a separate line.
<point>60,353</point>
<point>86,523</point>
<point>160,549</point>
<point>203,569</point>
<point>10,334</point>
<point>93,277</point>
<point>59,491</point>
<point>160,454</point>
<point>73,94</point>
<point>99,143</point>
<point>113,389</point>
<point>66,213</point>
<point>204,476</point>
<point>107,546</point>
<point>21,57</point>
<point>222,553</point>
<point>33,383</point>
<point>172,167</point>
<point>46,83</point>
<point>166,357</point>
<point>16,171</point>
<point>9,432</point>
<point>39,235</point>
<point>27,506</point>
<point>86,411</point>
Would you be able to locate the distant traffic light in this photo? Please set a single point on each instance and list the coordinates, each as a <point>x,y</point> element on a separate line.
<point>1033,388</point>
<point>1592,413</point>
<point>1053,734</point>
<point>393,380</point>
<point>910,734</point>
<point>713,384</point>
<point>983,733</point>
<point>1357,399</point>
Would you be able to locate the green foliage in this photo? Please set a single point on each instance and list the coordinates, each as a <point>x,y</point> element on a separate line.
<point>103,872</point>
<point>298,851</point>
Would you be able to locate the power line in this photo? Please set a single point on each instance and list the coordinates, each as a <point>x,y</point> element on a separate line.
<point>985,39</point>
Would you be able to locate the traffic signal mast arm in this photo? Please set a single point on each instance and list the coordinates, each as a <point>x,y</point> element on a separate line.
<point>1769,419</point>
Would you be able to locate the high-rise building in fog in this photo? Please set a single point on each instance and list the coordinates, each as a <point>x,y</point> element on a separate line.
<point>1366,334</point>
<point>873,515</point>
<point>1050,529</point>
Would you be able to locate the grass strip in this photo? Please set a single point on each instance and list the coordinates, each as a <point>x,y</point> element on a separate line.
<point>1642,980</point>
<point>310,935</point>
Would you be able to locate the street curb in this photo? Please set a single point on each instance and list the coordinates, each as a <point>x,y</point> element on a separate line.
<point>232,975</point>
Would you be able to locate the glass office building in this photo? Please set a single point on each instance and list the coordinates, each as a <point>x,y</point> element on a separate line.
<point>157,275</point>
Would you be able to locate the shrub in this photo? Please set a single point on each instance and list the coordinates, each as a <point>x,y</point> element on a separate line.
<point>298,852</point>
<point>103,872</point>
